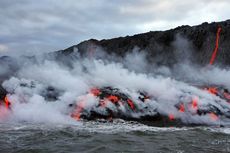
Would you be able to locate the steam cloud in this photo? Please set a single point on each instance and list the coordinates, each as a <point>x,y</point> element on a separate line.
<point>130,74</point>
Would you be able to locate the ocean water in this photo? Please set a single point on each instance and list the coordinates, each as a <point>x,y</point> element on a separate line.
<point>116,136</point>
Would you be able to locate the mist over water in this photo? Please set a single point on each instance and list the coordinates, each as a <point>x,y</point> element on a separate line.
<point>131,74</point>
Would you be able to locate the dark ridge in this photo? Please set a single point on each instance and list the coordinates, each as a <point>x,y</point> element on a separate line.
<point>162,48</point>
<point>159,44</point>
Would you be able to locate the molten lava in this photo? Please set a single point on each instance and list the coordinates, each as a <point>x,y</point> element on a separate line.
<point>216,46</point>
<point>7,103</point>
<point>113,99</point>
<point>212,90</point>
<point>182,109</point>
<point>95,91</point>
<point>109,95</point>
<point>77,112</point>
<point>171,117</point>
<point>131,104</point>
<point>195,103</point>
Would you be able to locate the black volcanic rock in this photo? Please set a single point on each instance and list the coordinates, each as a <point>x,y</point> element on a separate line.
<point>160,44</point>
<point>2,93</point>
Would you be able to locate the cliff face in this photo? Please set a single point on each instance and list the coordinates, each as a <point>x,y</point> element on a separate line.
<point>164,47</point>
<point>182,44</point>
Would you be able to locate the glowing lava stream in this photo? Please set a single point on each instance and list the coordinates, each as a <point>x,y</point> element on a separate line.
<point>216,46</point>
<point>7,102</point>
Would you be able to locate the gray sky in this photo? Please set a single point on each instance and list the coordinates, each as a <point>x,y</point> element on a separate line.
<point>35,26</point>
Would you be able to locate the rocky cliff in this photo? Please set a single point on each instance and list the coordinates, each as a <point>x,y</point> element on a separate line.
<point>164,47</point>
<point>184,43</point>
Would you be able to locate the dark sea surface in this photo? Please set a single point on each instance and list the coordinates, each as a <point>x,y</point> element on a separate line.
<point>108,137</point>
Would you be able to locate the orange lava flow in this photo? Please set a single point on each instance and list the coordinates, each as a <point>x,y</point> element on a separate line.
<point>212,90</point>
<point>113,99</point>
<point>195,103</point>
<point>77,113</point>
<point>7,103</point>
<point>182,109</point>
<point>216,46</point>
<point>95,91</point>
<point>171,117</point>
<point>131,104</point>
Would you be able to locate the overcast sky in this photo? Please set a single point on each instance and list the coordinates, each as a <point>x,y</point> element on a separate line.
<point>35,26</point>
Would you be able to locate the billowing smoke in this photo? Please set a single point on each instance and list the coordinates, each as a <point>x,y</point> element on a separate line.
<point>48,90</point>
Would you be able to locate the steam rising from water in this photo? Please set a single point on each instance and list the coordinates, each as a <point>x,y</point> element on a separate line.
<point>131,74</point>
